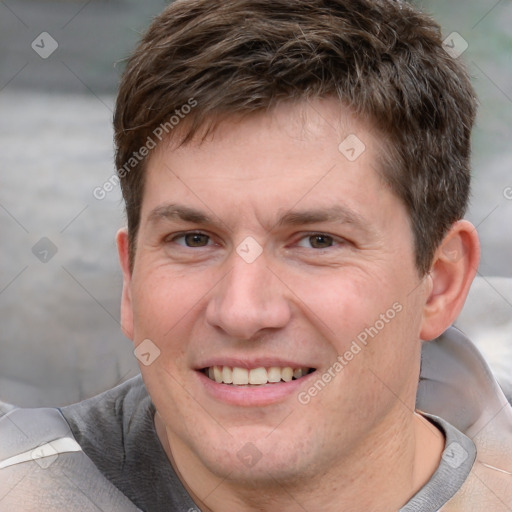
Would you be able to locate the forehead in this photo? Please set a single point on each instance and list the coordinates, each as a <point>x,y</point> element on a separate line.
<point>313,153</point>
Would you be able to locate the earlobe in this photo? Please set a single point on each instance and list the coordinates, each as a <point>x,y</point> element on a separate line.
<point>453,270</point>
<point>123,248</point>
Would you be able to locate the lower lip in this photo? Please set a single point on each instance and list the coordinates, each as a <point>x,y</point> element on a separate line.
<point>251,396</point>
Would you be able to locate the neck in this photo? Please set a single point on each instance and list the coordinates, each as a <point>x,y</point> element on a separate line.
<point>380,476</point>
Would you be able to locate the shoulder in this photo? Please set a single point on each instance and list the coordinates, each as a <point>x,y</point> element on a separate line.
<point>112,410</point>
<point>457,385</point>
<point>42,467</point>
<point>102,424</point>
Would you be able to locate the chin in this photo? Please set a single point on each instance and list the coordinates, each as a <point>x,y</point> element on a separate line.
<point>250,466</point>
<point>252,456</point>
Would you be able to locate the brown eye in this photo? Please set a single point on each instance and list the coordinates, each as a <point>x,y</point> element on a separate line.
<point>320,241</point>
<point>192,240</point>
<point>196,240</point>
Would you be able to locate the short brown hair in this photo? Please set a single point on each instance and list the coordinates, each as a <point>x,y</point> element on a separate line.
<point>383,59</point>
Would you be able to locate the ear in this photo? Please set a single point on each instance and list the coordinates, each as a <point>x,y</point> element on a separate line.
<point>123,248</point>
<point>452,272</point>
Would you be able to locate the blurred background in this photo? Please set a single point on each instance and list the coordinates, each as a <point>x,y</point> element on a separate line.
<point>60,285</point>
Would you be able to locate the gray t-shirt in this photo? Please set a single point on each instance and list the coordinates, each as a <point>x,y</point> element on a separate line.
<point>116,430</point>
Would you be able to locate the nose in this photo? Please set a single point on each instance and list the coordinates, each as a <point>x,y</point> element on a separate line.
<point>250,299</point>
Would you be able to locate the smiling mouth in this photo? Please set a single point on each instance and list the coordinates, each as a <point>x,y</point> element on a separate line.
<point>236,376</point>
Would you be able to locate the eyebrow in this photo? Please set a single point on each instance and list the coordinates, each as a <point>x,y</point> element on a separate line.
<point>335,214</point>
<point>174,211</point>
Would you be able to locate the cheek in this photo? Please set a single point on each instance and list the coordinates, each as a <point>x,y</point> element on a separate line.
<point>163,299</point>
<point>163,312</point>
<point>346,302</point>
<point>372,320</point>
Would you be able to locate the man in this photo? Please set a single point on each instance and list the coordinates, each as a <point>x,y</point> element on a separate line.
<point>295,175</point>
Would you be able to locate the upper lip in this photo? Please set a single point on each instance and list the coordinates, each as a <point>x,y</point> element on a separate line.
<point>259,362</point>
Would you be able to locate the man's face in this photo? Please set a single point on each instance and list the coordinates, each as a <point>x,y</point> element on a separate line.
<point>270,247</point>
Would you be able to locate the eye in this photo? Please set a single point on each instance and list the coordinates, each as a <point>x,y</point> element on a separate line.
<point>317,241</point>
<point>192,240</point>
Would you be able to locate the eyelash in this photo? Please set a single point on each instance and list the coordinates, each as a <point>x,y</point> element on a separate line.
<point>187,233</point>
<point>335,241</point>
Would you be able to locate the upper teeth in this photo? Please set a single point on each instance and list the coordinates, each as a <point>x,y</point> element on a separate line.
<point>242,376</point>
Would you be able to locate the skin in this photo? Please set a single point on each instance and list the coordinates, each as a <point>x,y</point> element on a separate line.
<point>359,441</point>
